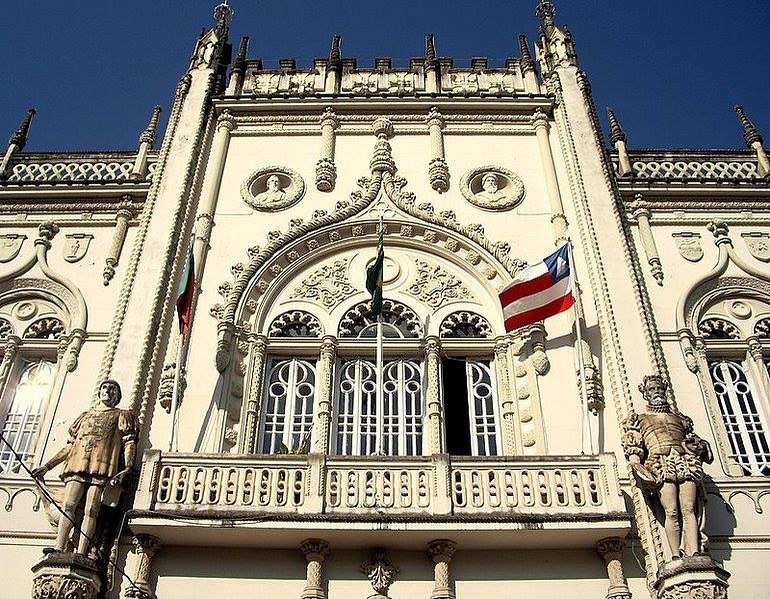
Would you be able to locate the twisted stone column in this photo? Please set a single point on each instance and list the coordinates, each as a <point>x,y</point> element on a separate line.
<point>438,172</point>
<point>611,551</point>
<point>315,552</point>
<point>434,415</point>
<point>254,397</point>
<point>323,395</point>
<point>145,548</point>
<point>441,551</point>
<point>125,213</point>
<point>326,170</point>
<point>540,124</point>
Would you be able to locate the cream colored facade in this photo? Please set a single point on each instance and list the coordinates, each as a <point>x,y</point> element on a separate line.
<point>276,181</point>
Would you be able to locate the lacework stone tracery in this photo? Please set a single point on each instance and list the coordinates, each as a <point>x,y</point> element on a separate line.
<point>328,285</point>
<point>465,325</point>
<point>435,286</point>
<point>6,328</point>
<point>45,328</point>
<point>296,323</point>
<point>718,328</point>
<point>360,322</point>
<point>762,328</point>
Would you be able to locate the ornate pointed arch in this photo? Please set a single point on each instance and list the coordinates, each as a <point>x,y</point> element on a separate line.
<point>285,250</point>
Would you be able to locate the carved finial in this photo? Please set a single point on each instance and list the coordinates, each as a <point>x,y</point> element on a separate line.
<point>750,133</point>
<point>20,136</point>
<point>48,230</point>
<point>150,132</point>
<point>526,58</point>
<point>545,11</point>
<point>240,60</point>
<point>430,49</point>
<point>616,131</point>
<point>223,14</point>
<point>718,228</point>
<point>335,54</point>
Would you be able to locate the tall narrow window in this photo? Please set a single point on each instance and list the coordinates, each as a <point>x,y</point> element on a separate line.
<point>22,420</point>
<point>288,414</point>
<point>369,425</point>
<point>743,421</point>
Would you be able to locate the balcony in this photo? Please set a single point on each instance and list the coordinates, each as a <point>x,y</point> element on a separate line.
<point>267,501</point>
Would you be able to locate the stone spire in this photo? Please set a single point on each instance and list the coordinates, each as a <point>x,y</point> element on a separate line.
<point>239,68</point>
<point>430,65</point>
<point>334,66</point>
<point>17,142</point>
<point>146,143</point>
<point>19,138</point>
<point>754,141</point>
<point>555,47</point>
<point>335,54</point>
<point>616,131</point>
<point>619,140</point>
<point>526,58</point>
<point>430,49</point>
<point>545,11</point>
<point>223,14</point>
<point>150,132</point>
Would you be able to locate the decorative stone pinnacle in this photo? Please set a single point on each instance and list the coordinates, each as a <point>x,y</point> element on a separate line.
<point>616,131</point>
<point>527,64</point>
<point>545,11</point>
<point>430,49</point>
<point>223,14</point>
<point>239,64</point>
<point>335,54</point>
<point>750,133</point>
<point>150,132</point>
<point>20,135</point>
<point>382,128</point>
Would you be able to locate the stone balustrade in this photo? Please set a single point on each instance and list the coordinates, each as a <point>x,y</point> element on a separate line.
<point>440,484</point>
<point>57,170</point>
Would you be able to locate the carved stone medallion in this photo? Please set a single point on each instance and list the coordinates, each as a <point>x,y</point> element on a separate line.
<point>758,244</point>
<point>492,188</point>
<point>273,188</point>
<point>689,245</point>
<point>76,246</point>
<point>10,245</point>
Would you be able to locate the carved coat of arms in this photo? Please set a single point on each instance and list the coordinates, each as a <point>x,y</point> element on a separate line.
<point>76,246</point>
<point>759,245</point>
<point>10,245</point>
<point>689,246</point>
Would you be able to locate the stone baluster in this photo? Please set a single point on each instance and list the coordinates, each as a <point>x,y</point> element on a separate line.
<point>326,170</point>
<point>641,213</point>
<point>10,349</point>
<point>125,213</point>
<point>323,395</point>
<point>438,172</point>
<point>315,552</point>
<point>434,414</point>
<point>540,124</point>
<point>441,552</point>
<point>146,143</point>
<point>611,551</point>
<point>16,143</point>
<point>254,396</point>
<point>145,548</point>
<point>505,395</point>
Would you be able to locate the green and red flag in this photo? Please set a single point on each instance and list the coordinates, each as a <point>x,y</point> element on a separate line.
<point>374,275</point>
<point>184,294</point>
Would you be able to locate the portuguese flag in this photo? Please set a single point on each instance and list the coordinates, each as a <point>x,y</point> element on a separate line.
<point>184,294</point>
<point>374,275</point>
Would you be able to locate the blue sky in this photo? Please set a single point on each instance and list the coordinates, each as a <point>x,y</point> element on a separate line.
<point>671,69</point>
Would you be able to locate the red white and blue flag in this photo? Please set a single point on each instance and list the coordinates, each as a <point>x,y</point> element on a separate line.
<point>540,291</point>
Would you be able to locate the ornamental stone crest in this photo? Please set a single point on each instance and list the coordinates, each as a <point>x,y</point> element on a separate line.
<point>758,244</point>
<point>381,572</point>
<point>10,245</point>
<point>273,188</point>
<point>435,286</point>
<point>76,246</point>
<point>492,188</point>
<point>689,245</point>
<point>329,285</point>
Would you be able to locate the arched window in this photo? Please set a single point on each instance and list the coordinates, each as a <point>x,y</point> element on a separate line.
<point>296,323</point>
<point>738,359</point>
<point>24,413</point>
<point>465,325</point>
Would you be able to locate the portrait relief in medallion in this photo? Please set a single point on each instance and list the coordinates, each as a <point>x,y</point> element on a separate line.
<point>273,188</point>
<point>492,188</point>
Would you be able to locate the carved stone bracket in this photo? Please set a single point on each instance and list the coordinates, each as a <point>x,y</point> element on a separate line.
<point>696,577</point>
<point>61,575</point>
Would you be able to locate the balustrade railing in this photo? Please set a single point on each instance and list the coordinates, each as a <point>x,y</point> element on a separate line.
<point>333,484</point>
<point>59,171</point>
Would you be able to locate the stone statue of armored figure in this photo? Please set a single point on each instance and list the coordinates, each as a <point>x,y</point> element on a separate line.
<point>667,459</point>
<point>100,452</point>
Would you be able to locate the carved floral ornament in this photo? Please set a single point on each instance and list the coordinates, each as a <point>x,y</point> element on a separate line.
<point>273,188</point>
<point>265,264</point>
<point>492,188</point>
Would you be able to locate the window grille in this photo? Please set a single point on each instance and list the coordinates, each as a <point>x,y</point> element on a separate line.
<point>22,420</point>
<point>481,405</point>
<point>288,414</point>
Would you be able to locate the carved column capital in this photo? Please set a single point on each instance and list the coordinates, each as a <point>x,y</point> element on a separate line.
<point>432,346</point>
<point>329,347</point>
<point>382,128</point>
<point>329,118</point>
<point>435,118</point>
<point>501,346</point>
<point>315,549</point>
<point>226,120</point>
<point>441,550</point>
<point>146,544</point>
<point>610,548</point>
<point>539,120</point>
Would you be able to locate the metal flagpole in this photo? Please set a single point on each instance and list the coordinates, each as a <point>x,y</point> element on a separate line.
<point>380,402</point>
<point>586,418</point>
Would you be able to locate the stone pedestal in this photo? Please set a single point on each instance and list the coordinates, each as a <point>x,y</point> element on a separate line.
<point>63,575</point>
<point>696,577</point>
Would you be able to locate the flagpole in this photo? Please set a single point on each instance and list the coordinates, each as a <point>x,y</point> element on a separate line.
<point>586,418</point>
<point>380,399</point>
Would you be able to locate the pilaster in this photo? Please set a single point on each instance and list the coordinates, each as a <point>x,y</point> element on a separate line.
<point>323,396</point>
<point>254,392</point>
